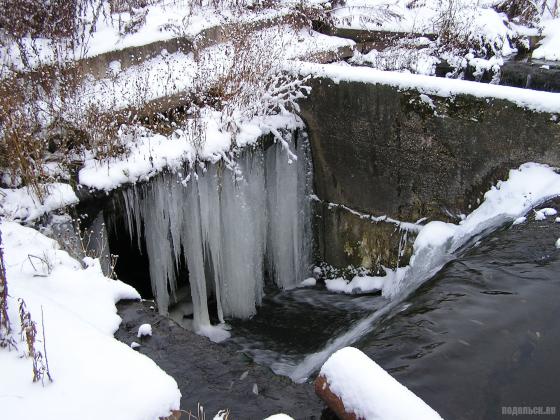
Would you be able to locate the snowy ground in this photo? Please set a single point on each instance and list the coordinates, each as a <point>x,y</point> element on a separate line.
<point>22,204</point>
<point>162,21</point>
<point>94,375</point>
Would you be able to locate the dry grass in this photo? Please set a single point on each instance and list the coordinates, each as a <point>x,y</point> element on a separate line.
<point>29,335</point>
<point>5,328</point>
<point>522,11</point>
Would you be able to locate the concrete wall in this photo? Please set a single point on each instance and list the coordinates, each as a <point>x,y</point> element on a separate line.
<point>381,151</point>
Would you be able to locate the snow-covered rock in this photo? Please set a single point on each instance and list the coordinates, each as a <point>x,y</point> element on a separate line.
<point>144,330</point>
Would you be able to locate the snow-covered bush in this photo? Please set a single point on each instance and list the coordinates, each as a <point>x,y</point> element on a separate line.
<point>465,27</point>
<point>249,80</point>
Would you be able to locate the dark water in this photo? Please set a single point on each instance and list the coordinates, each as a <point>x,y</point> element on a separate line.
<point>483,334</point>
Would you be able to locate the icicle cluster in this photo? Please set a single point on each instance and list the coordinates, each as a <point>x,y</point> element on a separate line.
<point>231,226</point>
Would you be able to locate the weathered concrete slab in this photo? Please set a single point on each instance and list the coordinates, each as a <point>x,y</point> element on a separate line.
<point>384,151</point>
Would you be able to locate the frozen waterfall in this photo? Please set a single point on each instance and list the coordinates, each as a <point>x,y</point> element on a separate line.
<point>230,226</point>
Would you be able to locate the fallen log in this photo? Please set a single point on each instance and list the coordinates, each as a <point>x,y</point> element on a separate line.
<point>356,388</point>
<point>332,400</point>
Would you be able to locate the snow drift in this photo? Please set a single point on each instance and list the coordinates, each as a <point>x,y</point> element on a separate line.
<point>95,376</point>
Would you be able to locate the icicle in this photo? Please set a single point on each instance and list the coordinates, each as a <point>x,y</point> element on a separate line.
<point>288,190</point>
<point>192,242</point>
<point>208,189</point>
<point>227,224</point>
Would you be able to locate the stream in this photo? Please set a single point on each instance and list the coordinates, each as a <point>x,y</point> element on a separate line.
<point>481,335</point>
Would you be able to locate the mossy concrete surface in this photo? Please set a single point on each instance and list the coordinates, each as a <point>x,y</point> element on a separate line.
<point>381,151</point>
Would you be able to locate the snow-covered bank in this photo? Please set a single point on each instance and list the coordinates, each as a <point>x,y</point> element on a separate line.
<point>370,392</point>
<point>95,376</point>
<point>157,22</point>
<point>150,153</point>
<point>438,243</point>
<point>525,98</point>
<point>23,204</point>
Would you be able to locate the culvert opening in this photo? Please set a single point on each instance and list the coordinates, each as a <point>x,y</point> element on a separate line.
<point>132,266</point>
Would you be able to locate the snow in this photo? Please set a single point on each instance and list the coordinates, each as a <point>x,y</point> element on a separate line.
<point>89,367</point>
<point>549,47</point>
<point>144,330</point>
<point>309,282</point>
<point>519,220</point>
<point>557,220</point>
<point>134,345</point>
<point>558,243</point>
<point>407,226</point>
<point>370,392</point>
<point>543,213</point>
<point>279,417</point>
<point>442,87</point>
<point>476,21</point>
<point>23,204</point>
<point>547,212</point>
<point>539,216</point>
<point>399,58</point>
<point>151,153</point>
<point>163,21</point>
<point>359,284</point>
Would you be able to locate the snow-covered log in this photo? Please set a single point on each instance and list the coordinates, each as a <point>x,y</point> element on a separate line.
<point>355,387</point>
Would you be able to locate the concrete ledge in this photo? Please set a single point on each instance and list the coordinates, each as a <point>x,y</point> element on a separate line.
<point>381,149</point>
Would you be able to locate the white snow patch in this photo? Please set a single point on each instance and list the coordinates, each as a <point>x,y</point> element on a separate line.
<point>549,211</point>
<point>309,282</point>
<point>369,391</point>
<point>359,284</point>
<point>519,220</point>
<point>23,204</point>
<point>427,100</point>
<point>215,333</point>
<point>89,367</point>
<point>558,243</point>
<point>549,48</point>
<point>144,330</point>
